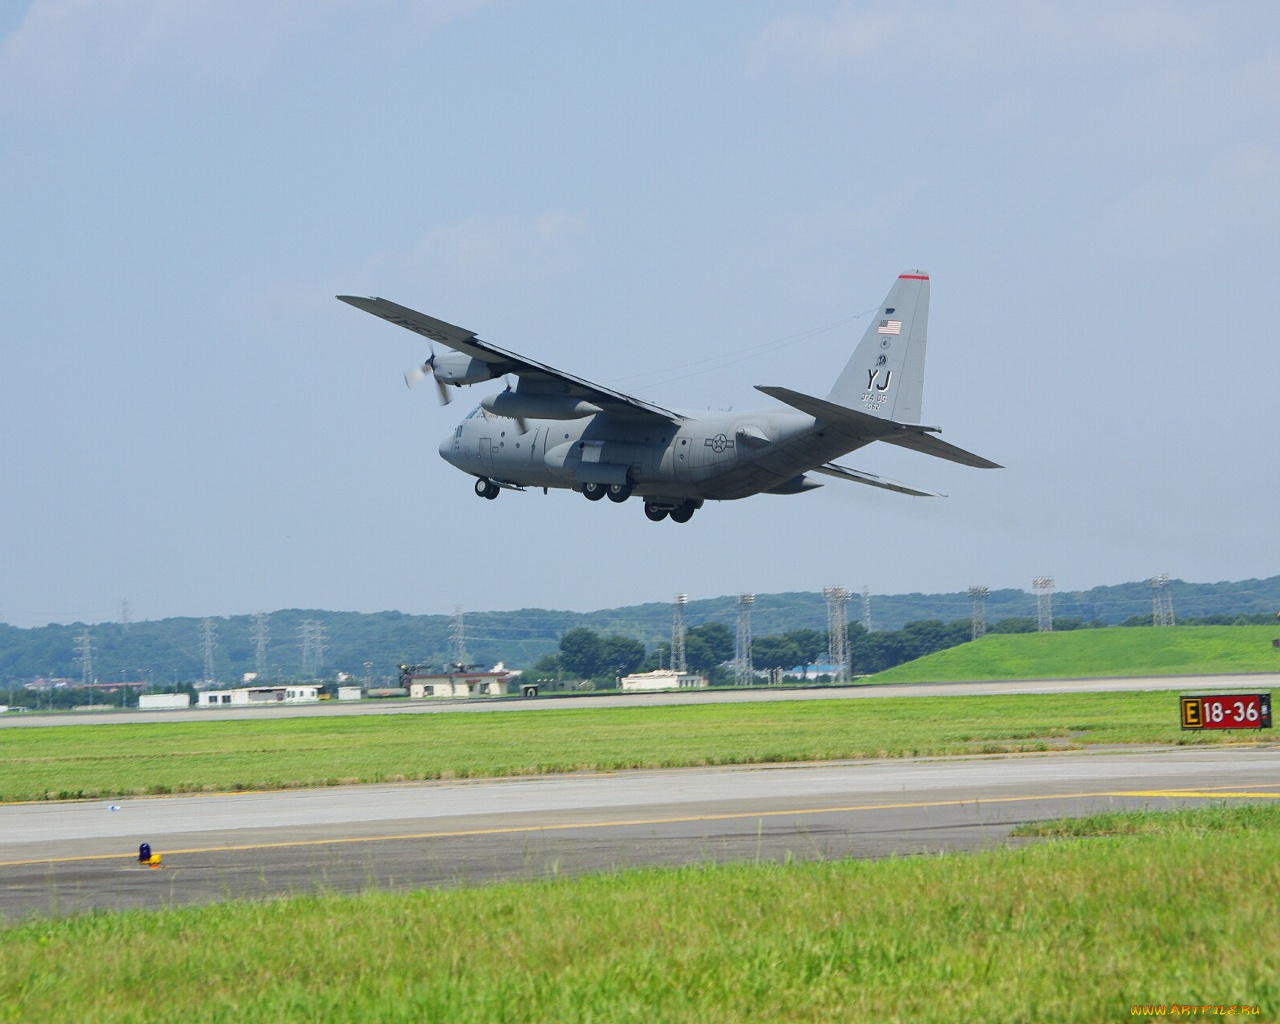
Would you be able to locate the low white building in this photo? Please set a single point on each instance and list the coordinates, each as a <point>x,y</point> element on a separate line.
<point>664,679</point>
<point>350,693</point>
<point>458,684</point>
<point>301,693</point>
<point>163,701</point>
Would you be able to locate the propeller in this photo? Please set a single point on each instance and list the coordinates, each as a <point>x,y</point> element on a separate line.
<point>414,376</point>
<point>524,427</point>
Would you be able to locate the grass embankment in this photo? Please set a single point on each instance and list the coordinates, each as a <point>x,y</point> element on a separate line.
<point>1091,653</point>
<point>146,758</point>
<point>1080,930</point>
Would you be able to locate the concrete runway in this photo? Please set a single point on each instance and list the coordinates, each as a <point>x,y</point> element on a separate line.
<point>58,858</point>
<point>1243,682</point>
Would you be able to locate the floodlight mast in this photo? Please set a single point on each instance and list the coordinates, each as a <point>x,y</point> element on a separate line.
<point>1043,586</point>
<point>84,648</point>
<point>743,669</point>
<point>260,637</point>
<point>678,663</point>
<point>978,614</point>
<point>208,643</point>
<point>837,630</point>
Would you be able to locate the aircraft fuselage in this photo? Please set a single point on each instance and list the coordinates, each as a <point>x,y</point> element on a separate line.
<point>718,456</point>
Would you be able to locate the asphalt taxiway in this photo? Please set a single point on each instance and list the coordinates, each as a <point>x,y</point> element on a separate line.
<point>77,856</point>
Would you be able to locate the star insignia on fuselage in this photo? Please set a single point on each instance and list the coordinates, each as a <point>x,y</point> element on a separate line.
<point>718,443</point>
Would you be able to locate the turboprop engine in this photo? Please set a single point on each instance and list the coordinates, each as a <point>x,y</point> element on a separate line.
<point>524,405</point>
<point>458,368</point>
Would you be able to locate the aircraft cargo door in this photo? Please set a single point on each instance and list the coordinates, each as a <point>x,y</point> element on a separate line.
<point>486,453</point>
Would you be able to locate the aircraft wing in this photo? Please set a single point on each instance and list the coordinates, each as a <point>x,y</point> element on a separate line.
<point>858,476</point>
<point>876,428</point>
<point>503,362</point>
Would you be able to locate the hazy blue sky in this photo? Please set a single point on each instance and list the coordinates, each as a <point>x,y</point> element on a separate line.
<point>192,422</point>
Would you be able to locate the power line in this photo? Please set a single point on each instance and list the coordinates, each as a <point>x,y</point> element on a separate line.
<point>739,355</point>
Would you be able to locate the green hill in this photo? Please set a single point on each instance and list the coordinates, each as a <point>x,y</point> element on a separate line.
<point>1177,650</point>
<point>171,650</point>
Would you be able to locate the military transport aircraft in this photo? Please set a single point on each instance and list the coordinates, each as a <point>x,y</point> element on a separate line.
<point>556,430</point>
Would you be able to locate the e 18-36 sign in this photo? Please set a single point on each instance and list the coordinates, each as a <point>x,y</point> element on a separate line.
<point>1227,711</point>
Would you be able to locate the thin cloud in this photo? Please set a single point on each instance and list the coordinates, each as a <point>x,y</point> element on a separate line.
<point>993,33</point>
<point>489,247</point>
<point>84,55</point>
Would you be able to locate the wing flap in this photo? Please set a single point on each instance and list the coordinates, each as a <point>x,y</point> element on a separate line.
<point>861,477</point>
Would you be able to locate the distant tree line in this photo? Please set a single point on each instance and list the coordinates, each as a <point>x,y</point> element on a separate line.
<point>169,652</point>
<point>709,649</point>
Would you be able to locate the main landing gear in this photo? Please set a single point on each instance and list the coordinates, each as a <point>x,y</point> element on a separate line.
<point>680,513</point>
<point>486,489</point>
<point>616,492</point>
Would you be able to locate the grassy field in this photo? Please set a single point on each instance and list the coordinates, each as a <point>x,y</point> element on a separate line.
<point>147,758</point>
<point>1084,653</point>
<point>1182,913</point>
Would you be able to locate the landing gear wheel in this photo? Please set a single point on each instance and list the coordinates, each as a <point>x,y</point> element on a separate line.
<point>619,492</point>
<point>683,513</point>
<point>594,492</point>
<point>487,489</point>
<point>655,513</point>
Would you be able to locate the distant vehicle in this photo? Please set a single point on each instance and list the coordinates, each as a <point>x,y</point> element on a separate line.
<point>556,430</point>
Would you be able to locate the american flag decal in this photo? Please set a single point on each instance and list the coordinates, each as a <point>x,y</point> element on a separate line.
<point>889,327</point>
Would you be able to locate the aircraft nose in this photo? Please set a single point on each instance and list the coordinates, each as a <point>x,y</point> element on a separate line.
<point>446,449</point>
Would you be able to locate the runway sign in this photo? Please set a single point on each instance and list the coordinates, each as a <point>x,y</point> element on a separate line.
<point>1227,711</point>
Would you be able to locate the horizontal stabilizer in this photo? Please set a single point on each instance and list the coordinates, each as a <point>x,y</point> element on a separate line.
<point>858,476</point>
<point>874,428</point>
<point>819,408</point>
<point>931,445</point>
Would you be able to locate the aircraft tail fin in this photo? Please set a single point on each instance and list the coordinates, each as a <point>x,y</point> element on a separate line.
<point>885,374</point>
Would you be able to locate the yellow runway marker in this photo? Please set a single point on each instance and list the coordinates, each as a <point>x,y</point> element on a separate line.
<point>1189,794</point>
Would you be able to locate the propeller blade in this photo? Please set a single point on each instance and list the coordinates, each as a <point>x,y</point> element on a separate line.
<point>443,389</point>
<point>413,377</point>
